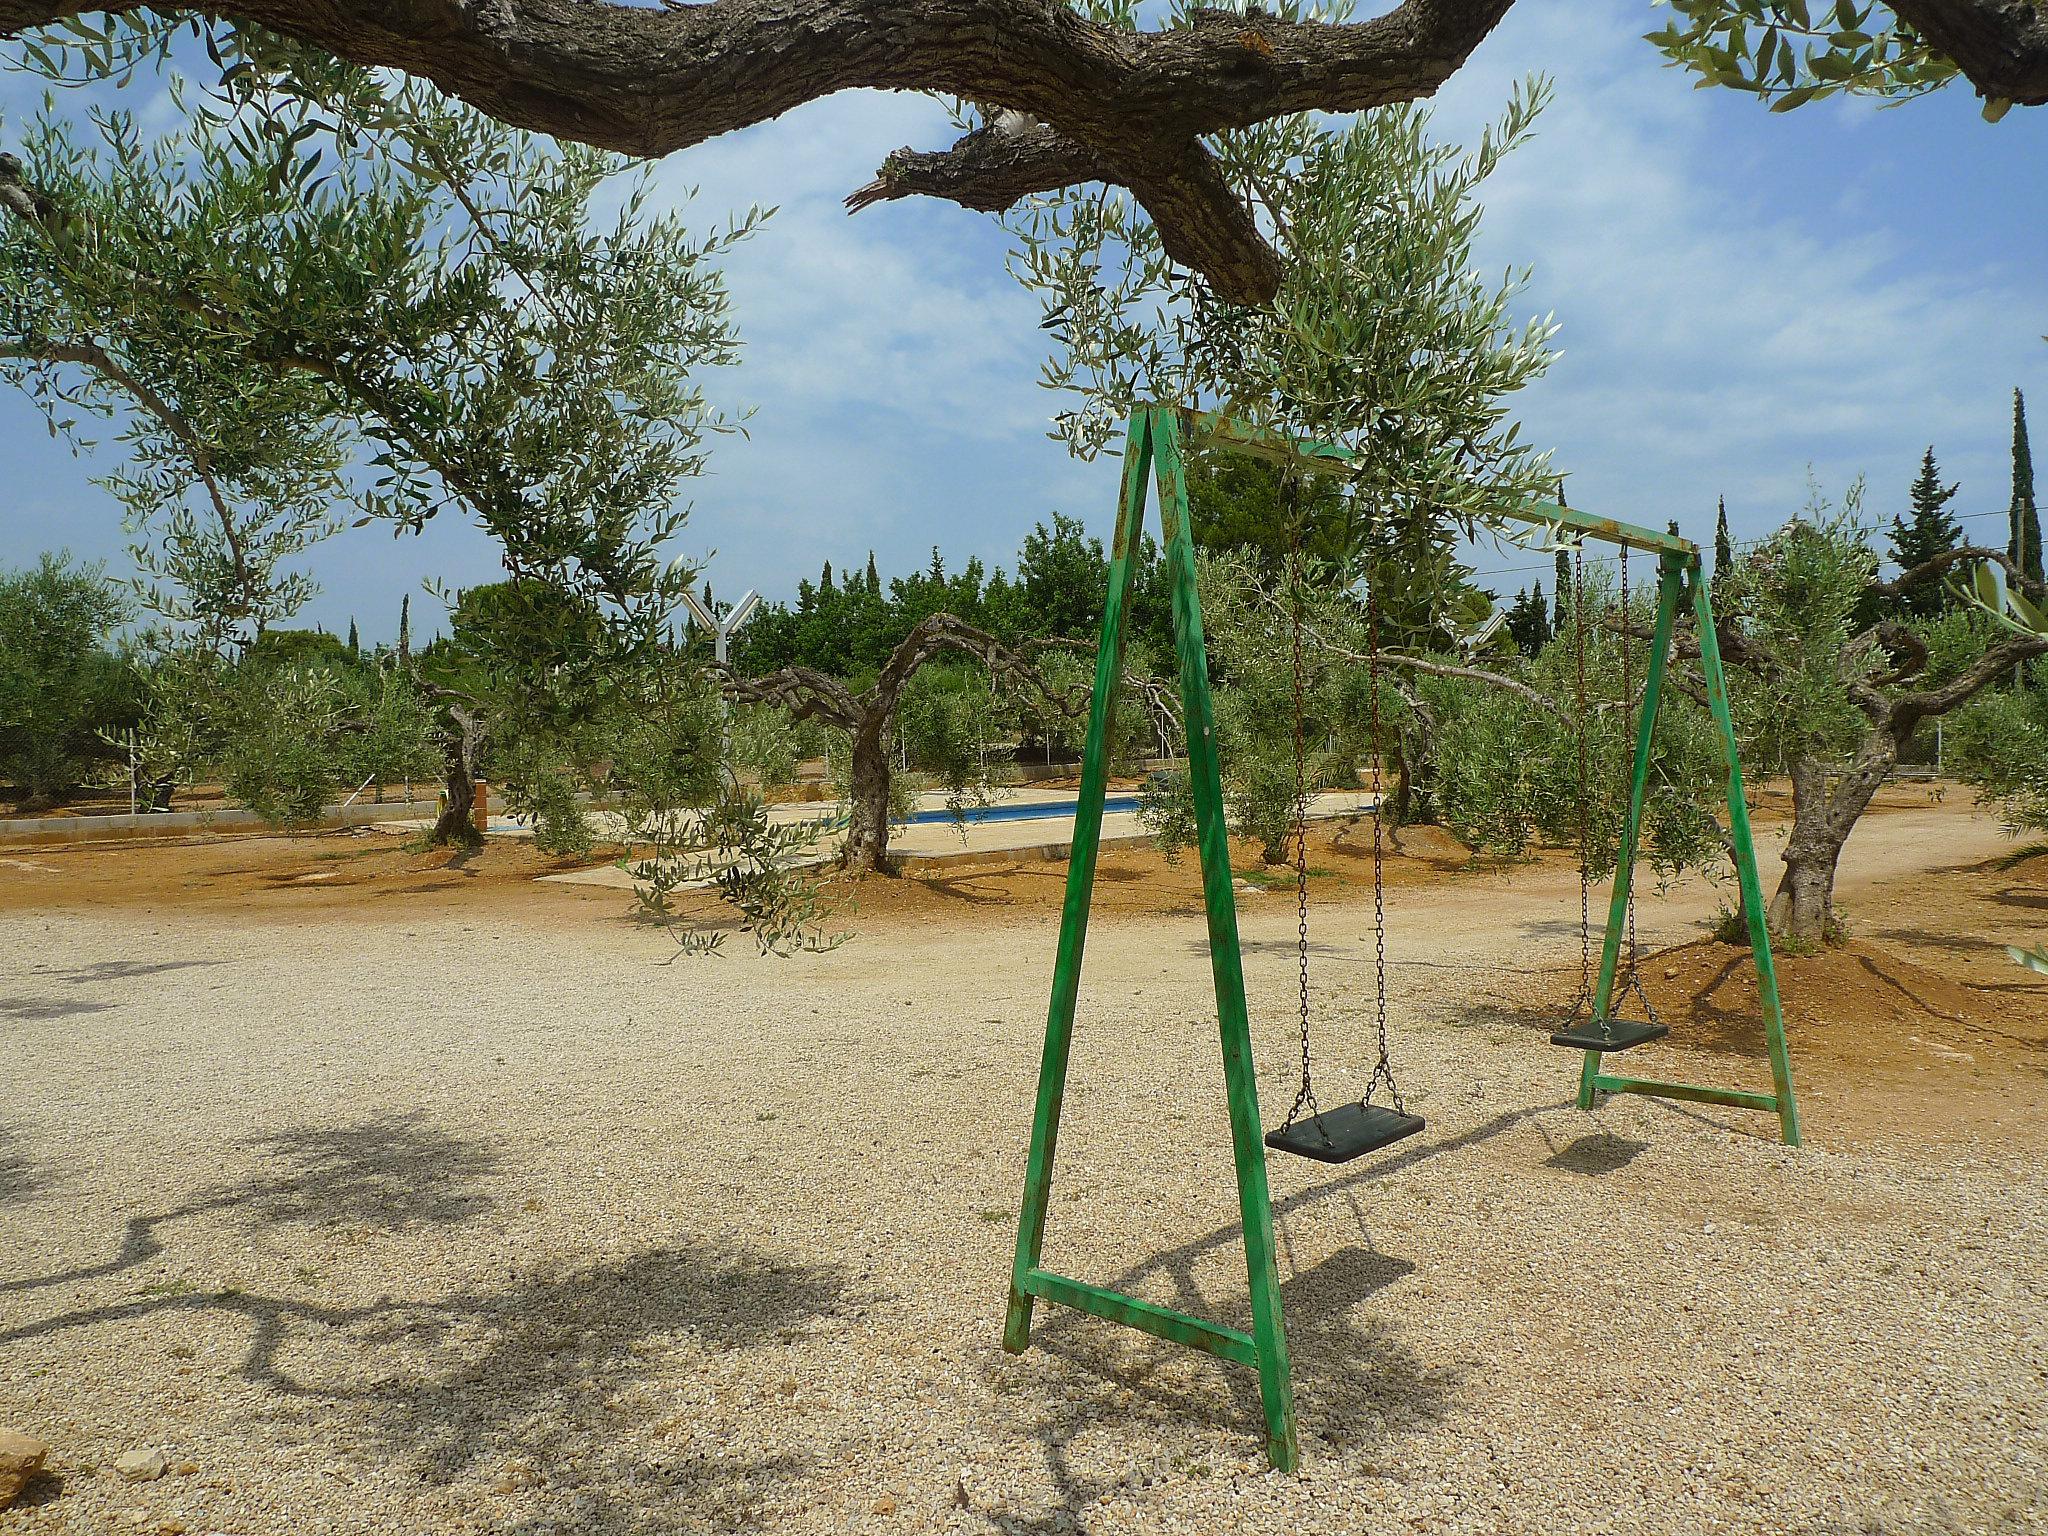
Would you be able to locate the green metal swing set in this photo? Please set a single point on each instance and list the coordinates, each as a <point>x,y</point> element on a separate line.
<point>1154,450</point>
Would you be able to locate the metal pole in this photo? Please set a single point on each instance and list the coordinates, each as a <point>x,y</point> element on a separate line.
<point>1670,584</point>
<point>1745,864</point>
<point>1226,960</point>
<point>1066,971</point>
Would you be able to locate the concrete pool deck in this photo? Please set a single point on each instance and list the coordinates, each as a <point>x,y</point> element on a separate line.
<point>933,845</point>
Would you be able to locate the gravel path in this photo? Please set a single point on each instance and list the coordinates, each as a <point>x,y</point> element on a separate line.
<point>446,1226</point>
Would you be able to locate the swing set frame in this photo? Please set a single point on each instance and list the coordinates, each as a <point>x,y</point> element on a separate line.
<point>1154,450</point>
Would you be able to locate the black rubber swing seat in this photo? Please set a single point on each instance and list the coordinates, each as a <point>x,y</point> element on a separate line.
<point>1341,1134</point>
<point>1608,1034</point>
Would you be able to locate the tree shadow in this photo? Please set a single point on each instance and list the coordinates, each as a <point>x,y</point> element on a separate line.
<point>38,1009</point>
<point>19,1177</point>
<point>967,889</point>
<point>530,1372</point>
<point>125,970</point>
<point>1281,947</point>
<point>1947,943</point>
<point>393,1172</point>
<point>1704,1022</point>
<point>505,1375</point>
<point>530,1375</point>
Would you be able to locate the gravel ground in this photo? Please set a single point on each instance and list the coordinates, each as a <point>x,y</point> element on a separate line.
<point>451,1225</point>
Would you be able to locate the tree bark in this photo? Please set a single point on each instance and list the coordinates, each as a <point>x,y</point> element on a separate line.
<point>456,825</point>
<point>867,832</point>
<point>1069,100</point>
<point>1803,907</point>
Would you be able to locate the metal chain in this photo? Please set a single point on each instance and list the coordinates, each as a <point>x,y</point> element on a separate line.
<point>1306,1097</point>
<point>1584,999</point>
<point>1383,1070</point>
<point>1634,983</point>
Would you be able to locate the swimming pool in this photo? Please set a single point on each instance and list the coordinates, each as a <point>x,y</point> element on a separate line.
<point>1028,810</point>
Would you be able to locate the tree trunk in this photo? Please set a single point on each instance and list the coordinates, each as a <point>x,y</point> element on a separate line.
<point>1803,907</point>
<point>456,827</point>
<point>867,833</point>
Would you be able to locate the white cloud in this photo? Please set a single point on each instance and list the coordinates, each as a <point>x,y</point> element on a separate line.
<point>1723,326</point>
<point>1741,294</point>
<point>891,361</point>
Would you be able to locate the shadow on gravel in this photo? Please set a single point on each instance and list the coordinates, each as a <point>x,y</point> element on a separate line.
<point>568,1386</point>
<point>123,970</point>
<point>1597,1154</point>
<point>393,1172</point>
<point>19,1177</point>
<point>1701,1023</point>
<point>1356,1383</point>
<point>38,1008</point>
<point>538,1383</point>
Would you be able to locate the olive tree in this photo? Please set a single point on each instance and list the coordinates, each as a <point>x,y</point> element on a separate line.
<point>63,685</point>
<point>1834,696</point>
<point>1504,751</point>
<point>1383,338</point>
<point>358,293</point>
<point>868,716</point>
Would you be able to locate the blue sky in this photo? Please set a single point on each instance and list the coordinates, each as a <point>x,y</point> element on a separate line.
<point>1742,294</point>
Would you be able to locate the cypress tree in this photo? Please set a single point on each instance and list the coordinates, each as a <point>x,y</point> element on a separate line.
<point>825,581</point>
<point>1724,547</point>
<point>405,629</point>
<point>1564,583</point>
<point>1929,531</point>
<point>355,647</point>
<point>2025,518</point>
<point>874,578</point>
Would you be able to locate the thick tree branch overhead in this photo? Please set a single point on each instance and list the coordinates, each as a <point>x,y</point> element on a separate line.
<point>1116,105</point>
<point>1069,100</point>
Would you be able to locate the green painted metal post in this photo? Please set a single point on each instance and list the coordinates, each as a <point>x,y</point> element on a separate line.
<point>1670,586</point>
<point>1269,1334</point>
<point>1745,860</point>
<point>1066,976</point>
<point>1674,553</point>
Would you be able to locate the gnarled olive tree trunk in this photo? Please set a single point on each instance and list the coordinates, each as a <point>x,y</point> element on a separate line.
<point>867,830</point>
<point>456,825</point>
<point>1827,802</point>
<point>1824,813</point>
<point>809,694</point>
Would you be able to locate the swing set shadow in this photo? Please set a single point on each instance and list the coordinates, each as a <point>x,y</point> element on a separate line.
<point>1153,449</point>
<point>1319,1303</point>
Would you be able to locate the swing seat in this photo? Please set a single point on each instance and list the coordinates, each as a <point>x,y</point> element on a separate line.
<point>1608,1035</point>
<point>1341,1134</point>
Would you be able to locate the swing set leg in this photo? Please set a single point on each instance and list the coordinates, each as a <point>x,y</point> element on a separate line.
<point>1678,576</point>
<point>1154,438</point>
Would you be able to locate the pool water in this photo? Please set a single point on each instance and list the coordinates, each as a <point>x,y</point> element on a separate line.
<point>1027,810</point>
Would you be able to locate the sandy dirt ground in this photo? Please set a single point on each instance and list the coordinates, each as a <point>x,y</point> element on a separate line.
<point>387,1192</point>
